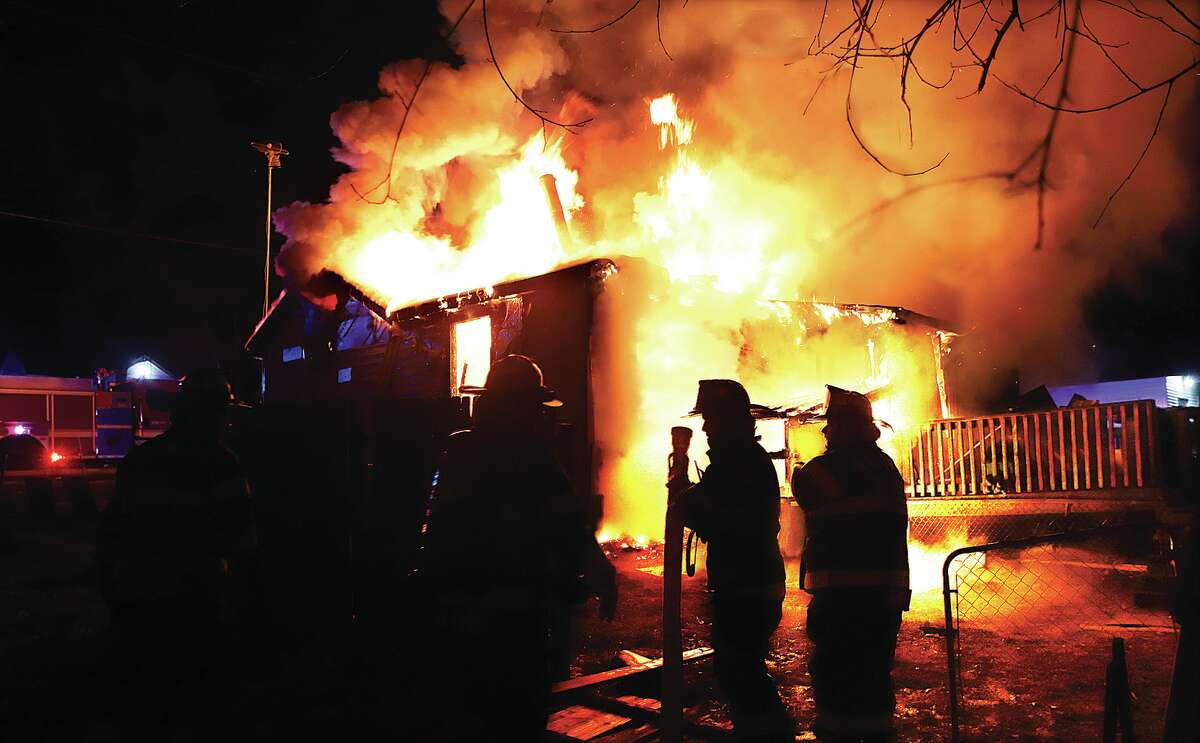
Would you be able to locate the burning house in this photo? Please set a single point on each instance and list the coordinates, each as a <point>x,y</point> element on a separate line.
<point>408,300</point>
<point>382,307</point>
<point>333,343</point>
<point>662,245</point>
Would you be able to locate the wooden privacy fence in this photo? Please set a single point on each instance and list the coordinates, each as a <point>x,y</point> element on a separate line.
<point>1095,447</point>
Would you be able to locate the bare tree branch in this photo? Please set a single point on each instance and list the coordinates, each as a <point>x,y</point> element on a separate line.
<point>1137,12</point>
<point>1154,133</point>
<point>816,39</point>
<point>862,219</point>
<point>602,26</point>
<point>1015,15</point>
<point>1183,15</point>
<point>1047,144</point>
<point>852,58</point>
<point>658,27</point>
<point>541,115</point>
<point>408,107</point>
<point>1087,32</point>
<point>1142,90</point>
<point>816,90</point>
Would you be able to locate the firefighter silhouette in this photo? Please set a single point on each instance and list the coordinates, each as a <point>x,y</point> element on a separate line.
<point>735,508</point>
<point>856,568</point>
<point>504,544</point>
<point>175,541</point>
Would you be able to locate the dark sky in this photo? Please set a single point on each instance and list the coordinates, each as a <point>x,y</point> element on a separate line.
<point>137,117</point>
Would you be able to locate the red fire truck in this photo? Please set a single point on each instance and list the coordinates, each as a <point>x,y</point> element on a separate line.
<point>47,420</point>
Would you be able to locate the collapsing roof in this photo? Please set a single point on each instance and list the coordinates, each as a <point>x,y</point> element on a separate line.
<point>872,314</point>
<point>338,316</point>
<point>328,291</point>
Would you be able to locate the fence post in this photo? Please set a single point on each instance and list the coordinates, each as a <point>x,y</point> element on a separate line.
<point>931,485</point>
<point>1087,449</point>
<point>1037,441</point>
<point>951,658</point>
<point>672,632</point>
<point>1117,707</point>
<point>1028,465</point>
<point>1112,451</point>
<point>1137,440</point>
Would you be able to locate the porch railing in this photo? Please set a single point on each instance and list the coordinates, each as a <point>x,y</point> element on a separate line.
<point>1094,447</point>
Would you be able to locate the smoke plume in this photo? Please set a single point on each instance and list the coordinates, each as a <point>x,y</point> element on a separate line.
<point>789,205</point>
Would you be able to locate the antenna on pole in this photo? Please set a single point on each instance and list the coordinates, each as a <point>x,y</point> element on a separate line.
<point>272,151</point>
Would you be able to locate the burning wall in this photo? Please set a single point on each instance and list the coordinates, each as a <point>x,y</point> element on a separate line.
<point>657,340</point>
<point>742,187</point>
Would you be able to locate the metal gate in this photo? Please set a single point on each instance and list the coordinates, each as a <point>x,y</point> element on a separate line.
<point>1029,624</point>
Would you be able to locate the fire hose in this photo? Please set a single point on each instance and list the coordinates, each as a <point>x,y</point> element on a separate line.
<point>689,560</point>
<point>689,555</point>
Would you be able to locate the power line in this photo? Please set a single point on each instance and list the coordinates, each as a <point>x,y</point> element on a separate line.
<point>122,233</point>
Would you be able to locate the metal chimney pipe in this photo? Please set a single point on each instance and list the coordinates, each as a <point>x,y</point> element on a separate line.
<point>550,186</point>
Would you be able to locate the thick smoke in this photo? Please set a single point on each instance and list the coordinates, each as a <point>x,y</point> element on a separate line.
<point>741,71</point>
<point>794,208</point>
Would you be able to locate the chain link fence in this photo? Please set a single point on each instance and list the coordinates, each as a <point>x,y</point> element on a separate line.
<point>960,522</point>
<point>1029,623</point>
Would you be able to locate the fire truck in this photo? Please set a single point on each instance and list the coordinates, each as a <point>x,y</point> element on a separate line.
<point>62,421</point>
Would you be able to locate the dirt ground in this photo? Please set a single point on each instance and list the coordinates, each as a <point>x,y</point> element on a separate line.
<point>53,639</point>
<point>1013,689</point>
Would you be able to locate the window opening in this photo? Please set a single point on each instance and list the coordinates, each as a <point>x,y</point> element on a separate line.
<point>471,353</point>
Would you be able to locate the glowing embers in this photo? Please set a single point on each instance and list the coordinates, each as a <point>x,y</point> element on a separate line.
<point>868,315</point>
<point>664,112</point>
<point>471,353</point>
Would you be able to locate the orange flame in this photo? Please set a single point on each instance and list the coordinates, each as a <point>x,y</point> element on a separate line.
<point>716,312</point>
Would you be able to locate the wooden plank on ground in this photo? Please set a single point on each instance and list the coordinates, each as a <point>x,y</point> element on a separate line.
<point>643,712</point>
<point>640,702</point>
<point>630,658</point>
<point>582,682</point>
<point>639,734</point>
<point>583,723</point>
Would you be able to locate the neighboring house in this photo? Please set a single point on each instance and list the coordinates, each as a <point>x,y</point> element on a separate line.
<point>1173,391</point>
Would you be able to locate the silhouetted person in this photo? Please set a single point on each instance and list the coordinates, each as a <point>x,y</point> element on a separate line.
<point>171,544</point>
<point>856,568</point>
<point>505,542</point>
<point>735,508</point>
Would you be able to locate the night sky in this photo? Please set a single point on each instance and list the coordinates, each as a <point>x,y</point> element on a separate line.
<point>137,120</point>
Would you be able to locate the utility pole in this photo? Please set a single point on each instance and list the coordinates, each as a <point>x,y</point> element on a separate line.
<point>273,151</point>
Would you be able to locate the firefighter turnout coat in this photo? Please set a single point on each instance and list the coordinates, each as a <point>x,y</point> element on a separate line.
<point>735,508</point>
<point>856,520</point>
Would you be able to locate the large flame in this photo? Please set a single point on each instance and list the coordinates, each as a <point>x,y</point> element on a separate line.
<point>720,314</point>
<point>718,310</point>
<point>516,236</point>
<point>750,195</point>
